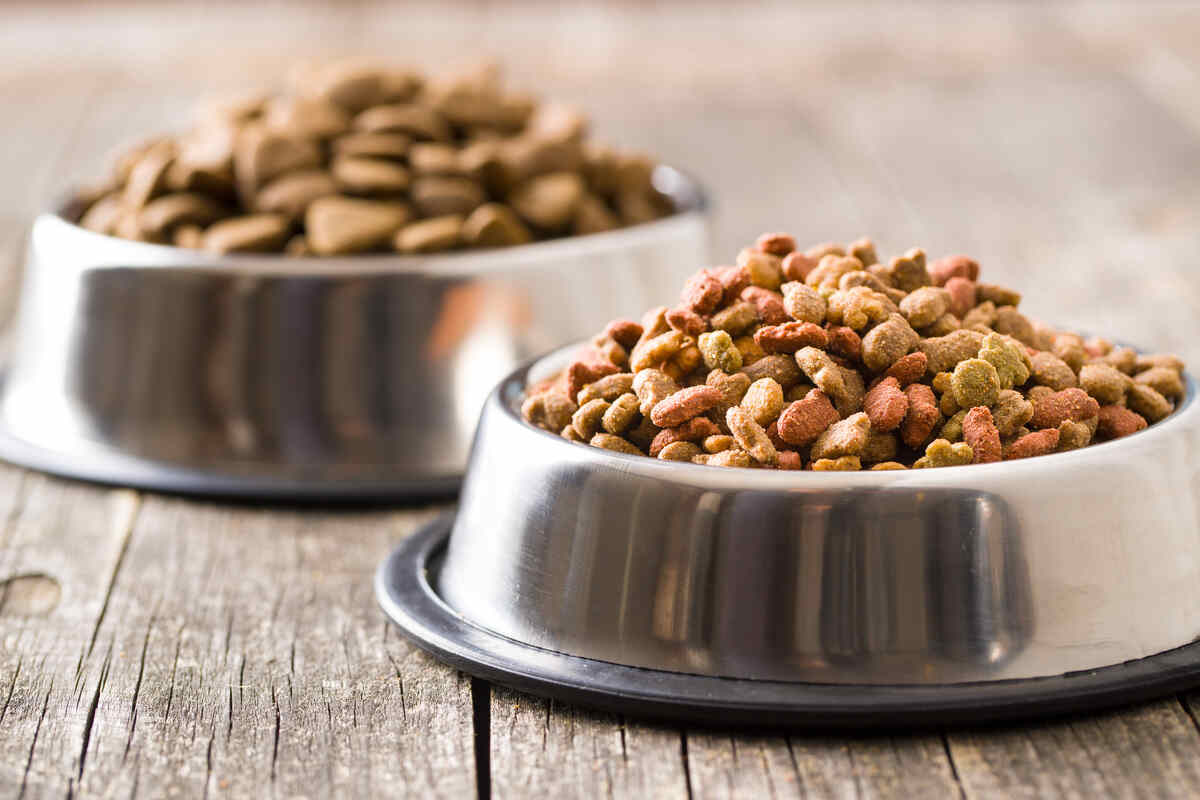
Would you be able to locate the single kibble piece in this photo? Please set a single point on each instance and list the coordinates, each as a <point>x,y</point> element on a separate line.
<point>981,434</point>
<point>975,382</point>
<point>941,453</point>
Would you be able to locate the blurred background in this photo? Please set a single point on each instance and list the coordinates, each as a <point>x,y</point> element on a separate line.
<point>1058,144</point>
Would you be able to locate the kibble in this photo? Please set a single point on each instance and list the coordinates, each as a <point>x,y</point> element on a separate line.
<point>827,359</point>
<point>462,161</point>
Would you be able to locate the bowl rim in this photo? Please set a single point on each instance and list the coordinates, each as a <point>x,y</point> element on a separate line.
<point>513,385</point>
<point>692,204</point>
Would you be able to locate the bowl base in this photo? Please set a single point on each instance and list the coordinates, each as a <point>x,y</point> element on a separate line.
<point>404,588</point>
<point>91,462</point>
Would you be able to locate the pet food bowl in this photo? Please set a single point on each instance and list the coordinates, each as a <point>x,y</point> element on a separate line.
<point>351,377</point>
<point>752,596</point>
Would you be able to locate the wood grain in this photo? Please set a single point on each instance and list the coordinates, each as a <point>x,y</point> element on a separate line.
<point>162,646</point>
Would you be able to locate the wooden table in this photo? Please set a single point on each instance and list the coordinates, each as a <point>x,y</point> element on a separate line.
<point>152,645</point>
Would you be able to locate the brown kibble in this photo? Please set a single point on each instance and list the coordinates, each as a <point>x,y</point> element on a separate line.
<point>888,465</point>
<point>922,416</point>
<point>777,244</point>
<point>790,337</point>
<point>979,431</point>
<point>784,370</point>
<point>1145,362</point>
<point>1148,402</point>
<point>1037,443</point>
<point>908,369</point>
<point>1073,435</point>
<point>796,266</point>
<point>1166,381</point>
<point>1107,384</point>
<point>702,293</point>
<point>607,441</point>
<point>1069,404</point>
<point>768,304</point>
<point>253,233</point>
<point>687,322</point>
<point>961,292</point>
<point>734,318</point>
<point>907,272</point>
<point>886,405</point>
<point>495,225</point>
<point>1050,370</point>
<point>430,235</point>
<point>343,225</point>
<point>942,271</point>
<point>694,430</point>
<point>624,332</point>
<point>790,460</point>
<point>733,388</point>
<point>608,387</point>
<point>655,351</point>
<point>718,442</point>
<point>1013,323</point>
<point>858,307</point>
<point>369,176</point>
<point>1000,295</point>
<point>1118,421</point>
<point>804,420</point>
<point>684,404</point>
<point>581,373</point>
<point>551,410</point>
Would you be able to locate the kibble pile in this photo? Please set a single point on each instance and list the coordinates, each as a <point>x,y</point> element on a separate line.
<point>362,158</point>
<point>829,359</point>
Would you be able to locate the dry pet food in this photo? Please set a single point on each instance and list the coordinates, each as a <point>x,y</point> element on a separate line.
<point>831,360</point>
<point>363,158</point>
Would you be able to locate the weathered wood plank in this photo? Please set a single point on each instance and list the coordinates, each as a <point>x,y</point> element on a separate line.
<point>73,536</point>
<point>243,654</point>
<point>1148,751</point>
<point>540,748</point>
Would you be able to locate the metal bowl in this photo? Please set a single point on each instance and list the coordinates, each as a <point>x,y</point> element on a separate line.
<point>1040,567</point>
<point>347,377</point>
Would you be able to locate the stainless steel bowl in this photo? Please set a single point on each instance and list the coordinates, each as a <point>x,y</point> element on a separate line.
<point>267,375</point>
<point>1021,569</point>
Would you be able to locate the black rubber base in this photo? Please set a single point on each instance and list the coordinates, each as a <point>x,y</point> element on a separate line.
<point>404,589</point>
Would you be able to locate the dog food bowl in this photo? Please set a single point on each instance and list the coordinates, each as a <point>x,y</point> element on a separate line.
<point>1018,588</point>
<point>351,377</point>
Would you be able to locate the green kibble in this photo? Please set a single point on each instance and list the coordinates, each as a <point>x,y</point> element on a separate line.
<point>940,453</point>
<point>975,382</point>
<point>719,352</point>
<point>1010,360</point>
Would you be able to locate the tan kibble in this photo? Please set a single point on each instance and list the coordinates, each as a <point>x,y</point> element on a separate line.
<point>830,269</point>
<point>888,465</point>
<point>586,421</point>
<point>572,435</point>
<point>856,392</point>
<point>845,438</point>
<point>651,353</point>
<point>1050,370</point>
<point>804,303</point>
<point>764,269</point>
<point>621,414</point>
<point>679,451</point>
<point>841,464</point>
<point>1147,361</point>
<point>945,324</point>
<point>1069,348</point>
<point>551,410</point>
<point>1013,323</point>
<point>608,387</point>
<point>1149,402</point>
<point>1123,359</point>
<point>923,306</point>
<point>888,342</point>
<point>944,352</point>
<point>750,436</point>
<point>858,307</point>
<point>1011,411</point>
<point>718,442</point>
<point>981,316</point>
<point>1073,435</point>
<point>652,387</point>
<point>750,351</point>
<point>607,441</point>
<point>763,400</point>
<point>823,372</point>
<point>1107,384</point>
<point>864,250</point>
<point>1164,380</point>
<point>908,272</point>
<point>719,352</point>
<point>737,317</point>
<point>733,457</point>
<point>1000,295</point>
